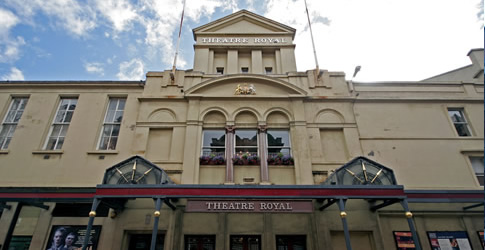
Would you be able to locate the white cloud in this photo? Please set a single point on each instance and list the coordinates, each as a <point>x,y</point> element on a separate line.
<point>119,12</point>
<point>94,68</point>
<point>14,75</point>
<point>131,70</point>
<point>399,40</point>
<point>10,49</point>
<point>7,21</point>
<point>75,18</point>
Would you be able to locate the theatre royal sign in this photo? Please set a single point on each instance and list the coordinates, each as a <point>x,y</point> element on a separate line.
<point>249,206</point>
<point>255,40</point>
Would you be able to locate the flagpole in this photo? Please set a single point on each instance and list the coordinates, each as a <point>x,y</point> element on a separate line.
<point>172,75</point>
<point>313,43</point>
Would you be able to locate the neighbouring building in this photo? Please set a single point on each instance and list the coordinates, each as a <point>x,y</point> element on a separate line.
<point>244,152</point>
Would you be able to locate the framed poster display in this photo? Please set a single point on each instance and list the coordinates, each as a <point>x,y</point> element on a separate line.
<point>72,237</point>
<point>404,240</point>
<point>453,240</point>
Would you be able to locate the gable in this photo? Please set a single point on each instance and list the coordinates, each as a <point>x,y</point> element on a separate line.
<point>244,22</point>
<point>243,25</point>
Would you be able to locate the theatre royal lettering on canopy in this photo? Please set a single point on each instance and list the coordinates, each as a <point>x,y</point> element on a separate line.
<point>244,151</point>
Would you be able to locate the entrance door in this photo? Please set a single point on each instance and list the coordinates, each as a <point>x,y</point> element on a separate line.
<point>245,242</point>
<point>143,241</point>
<point>20,242</point>
<point>200,242</point>
<point>291,242</point>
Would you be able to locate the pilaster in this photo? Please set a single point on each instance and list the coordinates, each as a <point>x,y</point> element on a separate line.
<point>193,133</point>
<point>232,62</point>
<point>256,62</point>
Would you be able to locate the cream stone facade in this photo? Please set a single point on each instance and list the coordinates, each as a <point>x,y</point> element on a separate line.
<point>244,98</point>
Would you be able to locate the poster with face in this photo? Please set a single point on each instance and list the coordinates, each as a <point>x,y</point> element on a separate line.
<point>66,237</point>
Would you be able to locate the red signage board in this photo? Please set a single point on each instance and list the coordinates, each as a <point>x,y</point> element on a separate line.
<point>249,206</point>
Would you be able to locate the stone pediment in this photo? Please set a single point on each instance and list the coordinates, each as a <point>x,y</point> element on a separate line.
<point>244,22</point>
<point>245,86</point>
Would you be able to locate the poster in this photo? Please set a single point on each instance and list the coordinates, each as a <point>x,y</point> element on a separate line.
<point>72,237</point>
<point>404,240</point>
<point>480,235</point>
<point>457,240</point>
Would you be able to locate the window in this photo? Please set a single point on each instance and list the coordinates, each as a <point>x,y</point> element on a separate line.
<point>477,164</point>
<point>220,70</point>
<point>246,142</point>
<point>245,70</point>
<point>112,123</point>
<point>245,242</point>
<point>61,123</point>
<point>268,70</point>
<point>11,120</point>
<point>457,116</point>
<point>214,143</point>
<point>200,242</point>
<point>291,242</point>
<point>278,143</point>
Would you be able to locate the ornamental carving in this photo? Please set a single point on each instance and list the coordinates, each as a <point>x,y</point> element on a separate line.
<point>245,89</point>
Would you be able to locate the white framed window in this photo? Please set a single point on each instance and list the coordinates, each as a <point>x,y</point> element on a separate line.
<point>112,124</point>
<point>278,143</point>
<point>478,167</point>
<point>61,123</point>
<point>244,70</point>
<point>246,142</point>
<point>457,116</point>
<point>268,70</point>
<point>214,142</point>
<point>11,119</point>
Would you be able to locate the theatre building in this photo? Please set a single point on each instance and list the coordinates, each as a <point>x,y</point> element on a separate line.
<point>244,152</point>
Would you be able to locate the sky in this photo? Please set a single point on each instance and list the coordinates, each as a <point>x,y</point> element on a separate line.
<point>392,40</point>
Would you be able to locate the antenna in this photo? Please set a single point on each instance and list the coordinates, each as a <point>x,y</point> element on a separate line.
<point>172,74</point>
<point>313,43</point>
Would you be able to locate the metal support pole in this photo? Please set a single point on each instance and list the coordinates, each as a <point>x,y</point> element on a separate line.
<point>156,215</point>
<point>11,228</point>
<point>412,227</point>
<point>343,215</point>
<point>92,214</point>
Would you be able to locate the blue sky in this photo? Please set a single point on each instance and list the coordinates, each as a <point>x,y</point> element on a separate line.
<point>123,39</point>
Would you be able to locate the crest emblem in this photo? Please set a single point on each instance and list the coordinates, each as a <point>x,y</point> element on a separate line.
<point>245,89</point>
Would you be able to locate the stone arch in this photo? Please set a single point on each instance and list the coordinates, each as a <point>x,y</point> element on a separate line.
<point>277,116</point>
<point>214,116</point>
<point>329,116</point>
<point>162,115</point>
<point>246,117</point>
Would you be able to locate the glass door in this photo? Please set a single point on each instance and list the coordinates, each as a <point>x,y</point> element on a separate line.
<point>245,242</point>
<point>143,241</point>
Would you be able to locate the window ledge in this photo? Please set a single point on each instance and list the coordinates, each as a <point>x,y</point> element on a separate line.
<point>103,152</point>
<point>51,152</point>
<point>281,166</point>
<point>3,151</point>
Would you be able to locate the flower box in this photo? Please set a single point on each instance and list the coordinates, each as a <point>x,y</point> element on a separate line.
<point>281,159</point>
<point>246,160</point>
<point>212,160</point>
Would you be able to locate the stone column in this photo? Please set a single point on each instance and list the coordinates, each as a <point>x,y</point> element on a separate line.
<point>229,154</point>
<point>263,154</point>
<point>193,134</point>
